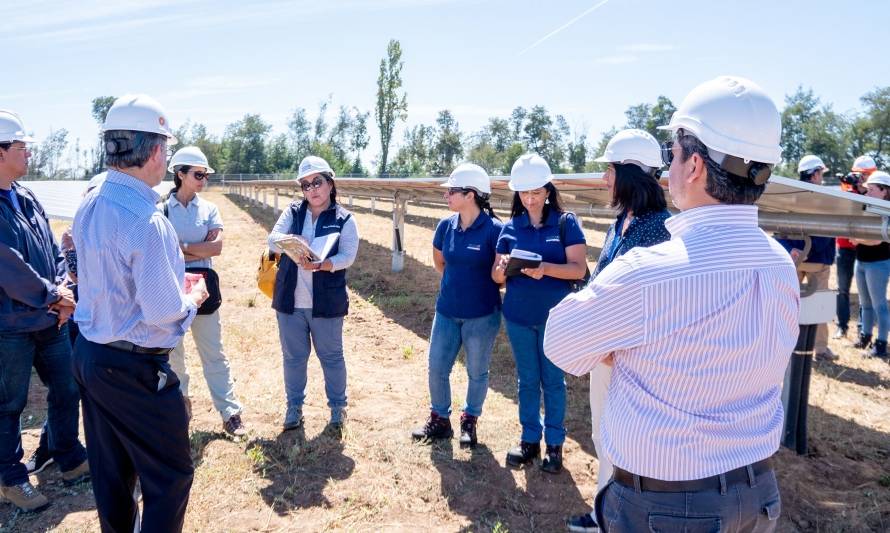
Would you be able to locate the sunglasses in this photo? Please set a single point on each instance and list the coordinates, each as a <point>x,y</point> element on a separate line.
<point>201,175</point>
<point>316,184</point>
<point>667,152</point>
<point>457,190</point>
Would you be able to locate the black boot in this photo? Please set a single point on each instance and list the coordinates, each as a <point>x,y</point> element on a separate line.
<point>436,427</point>
<point>879,349</point>
<point>468,431</point>
<point>552,463</point>
<point>523,454</point>
<point>863,342</point>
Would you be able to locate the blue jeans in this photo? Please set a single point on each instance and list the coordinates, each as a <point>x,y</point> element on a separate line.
<point>49,351</point>
<point>749,507</point>
<point>845,259</point>
<point>535,373</point>
<point>295,331</point>
<point>477,337</point>
<point>871,281</point>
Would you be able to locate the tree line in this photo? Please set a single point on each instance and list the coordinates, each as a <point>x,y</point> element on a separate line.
<point>250,146</point>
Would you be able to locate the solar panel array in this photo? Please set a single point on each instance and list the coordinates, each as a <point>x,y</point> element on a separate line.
<point>60,199</point>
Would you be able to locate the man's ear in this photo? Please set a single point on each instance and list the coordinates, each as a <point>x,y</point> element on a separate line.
<point>699,170</point>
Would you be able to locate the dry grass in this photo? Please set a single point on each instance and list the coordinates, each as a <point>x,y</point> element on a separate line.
<point>376,479</point>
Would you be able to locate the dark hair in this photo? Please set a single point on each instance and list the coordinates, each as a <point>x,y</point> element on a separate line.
<point>139,146</point>
<point>884,189</point>
<point>553,202</point>
<point>724,187</point>
<point>6,145</point>
<point>177,181</point>
<point>807,175</point>
<point>483,203</point>
<point>636,191</point>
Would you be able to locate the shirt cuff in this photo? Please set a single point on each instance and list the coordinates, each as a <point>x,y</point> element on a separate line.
<point>187,321</point>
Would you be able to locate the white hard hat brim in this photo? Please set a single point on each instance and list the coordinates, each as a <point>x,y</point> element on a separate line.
<point>209,169</point>
<point>315,171</point>
<point>530,186</point>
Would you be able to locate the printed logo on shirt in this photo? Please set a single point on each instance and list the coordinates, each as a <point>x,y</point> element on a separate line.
<point>553,239</point>
<point>474,247</point>
<point>331,226</point>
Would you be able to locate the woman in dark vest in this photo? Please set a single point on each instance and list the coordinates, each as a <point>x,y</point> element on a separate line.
<point>310,297</point>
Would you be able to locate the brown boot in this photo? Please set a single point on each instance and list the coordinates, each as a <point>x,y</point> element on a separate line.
<point>77,474</point>
<point>25,497</point>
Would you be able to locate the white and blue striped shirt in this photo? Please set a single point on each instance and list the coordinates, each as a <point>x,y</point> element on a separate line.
<point>701,328</point>
<point>131,271</point>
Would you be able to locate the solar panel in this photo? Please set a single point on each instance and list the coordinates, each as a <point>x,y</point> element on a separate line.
<point>60,199</point>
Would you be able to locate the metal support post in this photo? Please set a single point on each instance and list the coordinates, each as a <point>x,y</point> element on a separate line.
<point>399,208</point>
<point>373,204</point>
<point>276,201</point>
<point>265,202</point>
<point>350,200</point>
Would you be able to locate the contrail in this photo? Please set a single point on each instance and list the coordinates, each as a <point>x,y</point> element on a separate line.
<point>564,26</point>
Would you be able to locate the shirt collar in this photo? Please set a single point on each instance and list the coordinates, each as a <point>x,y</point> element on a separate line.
<point>174,201</point>
<point>455,222</point>
<point>711,215</point>
<point>551,220</point>
<point>121,178</point>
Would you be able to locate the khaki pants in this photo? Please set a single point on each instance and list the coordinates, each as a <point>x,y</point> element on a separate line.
<point>816,275</point>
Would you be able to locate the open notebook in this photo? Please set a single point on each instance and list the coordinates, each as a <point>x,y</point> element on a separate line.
<point>296,247</point>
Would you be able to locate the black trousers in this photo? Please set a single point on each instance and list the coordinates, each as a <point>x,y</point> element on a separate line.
<point>136,424</point>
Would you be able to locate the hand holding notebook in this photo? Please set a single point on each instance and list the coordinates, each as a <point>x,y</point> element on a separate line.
<point>520,259</point>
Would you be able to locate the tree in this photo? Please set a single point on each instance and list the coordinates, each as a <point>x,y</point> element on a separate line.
<point>101,105</point>
<point>545,137</point>
<point>46,157</point>
<point>359,139</point>
<point>517,121</point>
<point>244,145</point>
<point>577,150</point>
<point>298,132</point>
<point>392,103</point>
<point>808,127</point>
<point>416,156</point>
<point>877,111</point>
<point>99,110</point>
<point>449,146</point>
<point>648,117</point>
<point>801,109</point>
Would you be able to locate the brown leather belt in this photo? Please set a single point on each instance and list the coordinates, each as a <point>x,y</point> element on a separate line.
<point>733,477</point>
<point>128,346</point>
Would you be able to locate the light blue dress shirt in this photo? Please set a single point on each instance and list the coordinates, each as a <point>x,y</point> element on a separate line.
<point>193,222</point>
<point>131,272</point>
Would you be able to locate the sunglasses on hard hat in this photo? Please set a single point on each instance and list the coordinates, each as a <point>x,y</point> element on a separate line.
<point>315,184</point>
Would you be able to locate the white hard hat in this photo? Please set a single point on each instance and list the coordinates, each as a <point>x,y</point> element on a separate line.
<point>879,177</point>
<point>12,128</point>
<point>864,162</point>
<point>529,172</point>
<point>471,176</point>
<point>633,146</point>
<point>138,112</point>
<point>810,162</point>
<point>733,116</point>
<point>312,164</point>
<point>191,156</point>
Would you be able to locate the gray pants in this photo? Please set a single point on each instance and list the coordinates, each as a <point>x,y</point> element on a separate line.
<point>326,334</point>
<point>207,333</point>
<point>749,507</point>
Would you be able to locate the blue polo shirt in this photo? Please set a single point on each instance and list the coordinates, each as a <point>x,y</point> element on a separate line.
<point>467,290</point>
<point>528,301</point>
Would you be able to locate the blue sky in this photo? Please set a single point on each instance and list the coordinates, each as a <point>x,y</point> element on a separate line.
<point>214,61</point>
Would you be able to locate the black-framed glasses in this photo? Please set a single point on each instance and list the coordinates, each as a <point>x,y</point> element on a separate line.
<point>457,190</point>
<point>199,175</point>
<point>315,184</point>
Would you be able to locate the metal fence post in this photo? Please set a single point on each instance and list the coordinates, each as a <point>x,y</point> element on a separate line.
<point>373,203</point>
<point>399,207</point>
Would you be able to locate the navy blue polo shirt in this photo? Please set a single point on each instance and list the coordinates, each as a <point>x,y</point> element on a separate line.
<point>528,301</point>
<point>467,290</point>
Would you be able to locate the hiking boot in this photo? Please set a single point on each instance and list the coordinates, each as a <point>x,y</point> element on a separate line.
<point>879,349</point>
<point>293,419</point>
<point>863,342</point>
<point>585,523</point>
<point>468,430</point>
<point>77,474</point>
<point>39,460</point>
<point>25,497</point>
<point>523,454</point>
<point>234,426</point>
<point>552,463</point>
<point>436,427</point>
<point>840,333</point>
<point>338,417</point>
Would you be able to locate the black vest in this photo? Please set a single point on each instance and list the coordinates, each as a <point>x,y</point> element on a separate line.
<point>329,298</point>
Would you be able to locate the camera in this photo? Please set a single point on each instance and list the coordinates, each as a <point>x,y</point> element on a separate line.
<point>852,178</point>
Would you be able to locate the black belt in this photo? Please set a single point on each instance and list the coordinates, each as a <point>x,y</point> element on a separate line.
<point>130,347</point>
<point>733,477</point>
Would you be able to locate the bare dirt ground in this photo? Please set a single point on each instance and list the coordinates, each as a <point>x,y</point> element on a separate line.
<point>376,479</point>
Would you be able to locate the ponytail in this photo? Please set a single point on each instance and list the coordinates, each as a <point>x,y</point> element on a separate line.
<point>484,204</point>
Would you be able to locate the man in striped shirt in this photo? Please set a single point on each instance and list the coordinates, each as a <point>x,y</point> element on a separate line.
<point>699,330</point>
<point>132,312</point>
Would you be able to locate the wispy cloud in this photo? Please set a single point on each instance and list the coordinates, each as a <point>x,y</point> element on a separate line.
<point>616,60</point>
<point>646,47</point>
<point>564,26</point>
<point>213,85</point>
